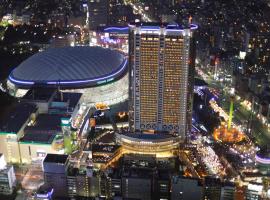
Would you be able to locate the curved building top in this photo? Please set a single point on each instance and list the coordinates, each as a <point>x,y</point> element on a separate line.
<point>70,67</point>
<point>263,156</point>
<point>168,26</point>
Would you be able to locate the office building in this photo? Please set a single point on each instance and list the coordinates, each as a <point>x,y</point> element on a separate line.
<point>137,176</point>
<point>98,13</point>
<point>212,189</point>
<point>228,191</point>
<point>182,187</point>
<point>55,169</point>
<point>41,138</point>
<point>254,191</point>
<point>161,78</point>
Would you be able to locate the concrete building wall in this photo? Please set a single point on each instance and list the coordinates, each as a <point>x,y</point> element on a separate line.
<point>34,151</point>
<point>7,180</point>
<point>137,188</point>
<point>9,147</point>
<point>58,182</point>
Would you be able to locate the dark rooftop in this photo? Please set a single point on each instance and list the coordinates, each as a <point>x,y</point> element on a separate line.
<point>13,122</point>
<point>70,97</point>
<point>45,123</point>
<point>199,82</point>
<point>38,138</point>
<point>55,158</point>
<point>39,94</point>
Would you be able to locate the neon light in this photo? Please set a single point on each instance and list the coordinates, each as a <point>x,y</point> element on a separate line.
<point>151,27</point>
<point>148,29</point>
<point>174,30</point>
<point>193,26</point>
<point>262,160</point>
<point>20,82</point>
<point>109,40</point>
<point>49,194</point>
<point>116,28</point>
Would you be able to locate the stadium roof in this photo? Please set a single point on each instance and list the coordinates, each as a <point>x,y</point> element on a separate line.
<point>70,67</point>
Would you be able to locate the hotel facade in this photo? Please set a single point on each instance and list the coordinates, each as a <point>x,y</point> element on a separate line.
<point>161,78</point>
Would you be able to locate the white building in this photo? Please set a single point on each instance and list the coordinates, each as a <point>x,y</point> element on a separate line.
<point>7,177</point>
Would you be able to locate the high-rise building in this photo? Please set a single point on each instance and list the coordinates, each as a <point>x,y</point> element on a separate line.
<point>55,173</point>
<point>161,78</point>
<point>98,13</point>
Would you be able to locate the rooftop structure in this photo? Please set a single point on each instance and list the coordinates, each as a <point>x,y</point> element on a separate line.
<point>44,130</point>
<point>38,138</point>
<point>55,158</point>
<point>162,145</point>
<point>45,123</point>
<point>39,94</point>
<point>16,118</point>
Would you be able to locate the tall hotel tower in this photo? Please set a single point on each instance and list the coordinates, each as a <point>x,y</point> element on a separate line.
<point>161,78</point>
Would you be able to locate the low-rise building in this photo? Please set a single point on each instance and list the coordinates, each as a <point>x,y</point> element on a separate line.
<point>7,177</point>
<point>55,173</point>
<point>12,129</point>
<point>39,139</point>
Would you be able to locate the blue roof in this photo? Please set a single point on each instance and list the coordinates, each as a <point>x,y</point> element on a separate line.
<point>113,29</point>
<point>70,66</point>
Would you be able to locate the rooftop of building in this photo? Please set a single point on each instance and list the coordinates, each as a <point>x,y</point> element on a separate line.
<point>175,179</point>
<point>44,129</point>
<point>71,98</point>
<point>39,94</point>
<point>199,82</point>
<point>47,123</point>
<point>35,138</point>
<point>14,121</point>
<point>158,25</point>
<point>142,173</point>
<point>56,158</point>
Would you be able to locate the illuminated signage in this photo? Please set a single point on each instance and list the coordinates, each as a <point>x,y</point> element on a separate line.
<point>105,81</point>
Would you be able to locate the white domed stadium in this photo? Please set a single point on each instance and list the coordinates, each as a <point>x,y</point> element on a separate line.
<point>99,73</point>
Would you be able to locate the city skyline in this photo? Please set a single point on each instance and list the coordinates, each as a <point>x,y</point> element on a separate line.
<point>135,99</point>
